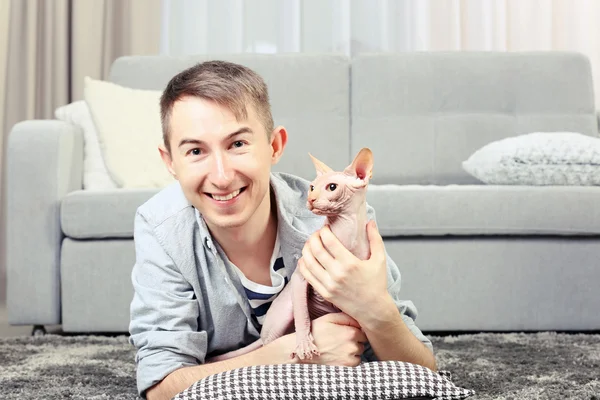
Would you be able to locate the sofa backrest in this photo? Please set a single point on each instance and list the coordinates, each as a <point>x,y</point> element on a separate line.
<point>309,95</point>
<point>423,113</point>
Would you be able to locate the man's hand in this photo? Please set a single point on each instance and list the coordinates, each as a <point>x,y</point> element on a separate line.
<point>339,339</point>
<point>355,286</point>
<point>359,289</point>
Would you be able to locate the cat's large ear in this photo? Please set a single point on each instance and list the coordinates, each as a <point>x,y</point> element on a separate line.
<point>362,166</point>
<point>320,166</point>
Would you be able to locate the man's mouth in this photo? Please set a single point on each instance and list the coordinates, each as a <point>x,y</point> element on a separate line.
<point>226,197</point>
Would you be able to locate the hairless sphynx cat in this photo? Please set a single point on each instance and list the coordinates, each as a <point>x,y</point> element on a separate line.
<point>341,197</point>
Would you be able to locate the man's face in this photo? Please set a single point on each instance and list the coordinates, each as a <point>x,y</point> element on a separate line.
<point>223,165</point>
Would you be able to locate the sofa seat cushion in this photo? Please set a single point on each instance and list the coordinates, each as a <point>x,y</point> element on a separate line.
<point>432,210</point>
<point>88,214</point>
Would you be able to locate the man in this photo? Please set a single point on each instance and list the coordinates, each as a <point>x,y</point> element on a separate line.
<point>214,248</point>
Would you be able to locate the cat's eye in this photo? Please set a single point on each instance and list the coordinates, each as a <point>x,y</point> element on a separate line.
<point>332,186</point>
<point>312,188</point>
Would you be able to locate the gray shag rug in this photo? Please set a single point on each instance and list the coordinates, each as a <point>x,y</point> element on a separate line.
<point>497,366</point>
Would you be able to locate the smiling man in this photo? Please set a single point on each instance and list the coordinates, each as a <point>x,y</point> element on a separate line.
<point>217,246</point>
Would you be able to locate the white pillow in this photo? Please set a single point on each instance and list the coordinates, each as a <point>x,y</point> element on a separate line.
<point>538,158</point>
<point>129,132</point>
<point>95,175</point>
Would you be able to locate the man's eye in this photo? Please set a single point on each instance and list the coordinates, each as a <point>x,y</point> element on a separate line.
<point>238,143</point>
<point>195,152</point>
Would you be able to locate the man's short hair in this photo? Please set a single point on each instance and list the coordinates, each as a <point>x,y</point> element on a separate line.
<point>228,84</point>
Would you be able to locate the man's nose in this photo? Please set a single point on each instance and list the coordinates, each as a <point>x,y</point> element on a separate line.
<point>221,174</point>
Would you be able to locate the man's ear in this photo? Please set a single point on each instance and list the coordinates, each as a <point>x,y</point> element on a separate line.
<point>278,142</point>
<point>166,157</point>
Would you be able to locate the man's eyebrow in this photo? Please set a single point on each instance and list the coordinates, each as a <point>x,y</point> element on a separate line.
<point>244,129</point>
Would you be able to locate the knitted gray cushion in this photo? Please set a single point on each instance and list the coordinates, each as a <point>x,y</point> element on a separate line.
<point>538,158</point>
<point>372,381</point>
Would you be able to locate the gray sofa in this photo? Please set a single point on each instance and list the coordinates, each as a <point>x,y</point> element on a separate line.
<point>473,257</point>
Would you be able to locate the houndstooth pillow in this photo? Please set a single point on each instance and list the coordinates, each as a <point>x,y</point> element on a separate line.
<point>372,380</point>
<point>538,158</point>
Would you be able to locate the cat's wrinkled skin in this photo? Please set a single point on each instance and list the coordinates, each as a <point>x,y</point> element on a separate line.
<point>341,197</point>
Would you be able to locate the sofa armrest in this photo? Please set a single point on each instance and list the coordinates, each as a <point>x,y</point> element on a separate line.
<point>44,163</point>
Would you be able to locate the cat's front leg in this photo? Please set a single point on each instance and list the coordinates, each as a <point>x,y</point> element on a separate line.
<point>279,317</point>
<point>305,346</point>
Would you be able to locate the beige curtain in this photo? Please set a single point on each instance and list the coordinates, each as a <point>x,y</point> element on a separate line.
<point>37,70</point>
<point>52,45</point>
<point>4,18</point>
<point>4,21</point>
<point>48,46</point>
<point>104,30</point>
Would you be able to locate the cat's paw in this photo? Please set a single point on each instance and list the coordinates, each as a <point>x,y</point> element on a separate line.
<point>305,348</point>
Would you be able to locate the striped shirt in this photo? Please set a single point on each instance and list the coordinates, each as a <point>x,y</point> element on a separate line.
<point>261,296</point>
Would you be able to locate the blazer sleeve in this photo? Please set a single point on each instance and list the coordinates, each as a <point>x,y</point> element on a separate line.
<point>407,308</point>
<point>164,312</point>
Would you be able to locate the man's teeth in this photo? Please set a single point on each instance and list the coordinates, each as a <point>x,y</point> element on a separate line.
<point>225,198</point>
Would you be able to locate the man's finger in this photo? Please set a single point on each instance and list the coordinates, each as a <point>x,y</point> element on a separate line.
<point>341,318</point>
<point>362,337</point>
<point>320,253</point>
<point>314,266</point>
<point>333,245</point>
<point>310,277</point>
<point>375,240</point>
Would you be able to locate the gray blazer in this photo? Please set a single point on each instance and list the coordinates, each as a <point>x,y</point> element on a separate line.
<point>188,303</point>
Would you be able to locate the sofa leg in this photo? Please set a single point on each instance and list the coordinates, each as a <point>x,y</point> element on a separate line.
<point>38,330</point>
